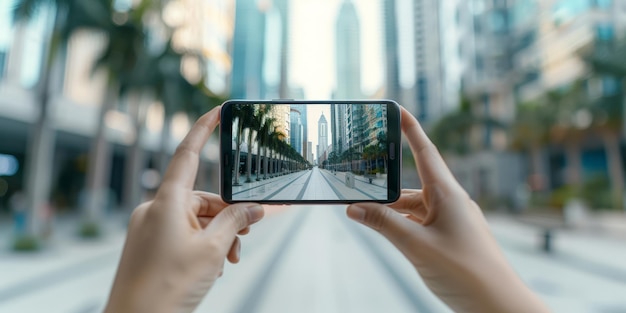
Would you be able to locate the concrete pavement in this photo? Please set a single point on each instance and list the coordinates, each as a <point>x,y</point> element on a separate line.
<point>313,259</point>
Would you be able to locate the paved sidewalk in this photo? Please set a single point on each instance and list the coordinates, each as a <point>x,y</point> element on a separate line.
<point>32,280</point>
<point>585,272</point>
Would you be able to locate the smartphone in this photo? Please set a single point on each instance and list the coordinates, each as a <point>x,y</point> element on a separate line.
<point>327,151</point>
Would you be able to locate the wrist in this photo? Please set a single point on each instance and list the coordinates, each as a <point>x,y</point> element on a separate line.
<point>143,296</point>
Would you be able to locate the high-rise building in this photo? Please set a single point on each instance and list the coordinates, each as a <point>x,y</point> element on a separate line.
<point>249,50</point>
<point>348,53</point>
<point>280,114</point>
<point>392,85</point>
<point>302,110</point>
<point>276,48</point>
<point>338,127</point>
<point>428,62</point>
<point>322,138</point>
<point>296,130</point>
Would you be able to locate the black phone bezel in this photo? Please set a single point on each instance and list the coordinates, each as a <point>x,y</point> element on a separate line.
<point>393,137</point>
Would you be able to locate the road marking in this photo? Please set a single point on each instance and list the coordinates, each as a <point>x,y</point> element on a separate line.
<point>283,187</point>
<point>306,183</point>
<point>341,197</point>
<point>269,182</point>
<point>411,295</point>
<point>356,188</point>
<point>259,287</point>
<point>51,279</point>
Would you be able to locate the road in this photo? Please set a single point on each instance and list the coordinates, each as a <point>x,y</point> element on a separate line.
<point>314,184</point>
<point>314,259</point>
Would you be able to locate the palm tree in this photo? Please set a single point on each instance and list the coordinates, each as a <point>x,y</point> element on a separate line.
<point>607,61</point>
<point>256,121</point>
<point>262,143</point>
<point>570,102</point>
<point>271,145</point>
<point>530,132</point>
<point>70,15</point>
<point>452,131</point>
<point>242,114</point>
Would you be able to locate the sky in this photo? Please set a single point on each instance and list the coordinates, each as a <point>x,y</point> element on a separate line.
<point>312,45</point>
<point>314,112</point>
<point>312,52</point>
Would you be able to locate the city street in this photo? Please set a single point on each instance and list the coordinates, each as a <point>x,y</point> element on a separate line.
<point>314,259</point>
<point>314,184</point>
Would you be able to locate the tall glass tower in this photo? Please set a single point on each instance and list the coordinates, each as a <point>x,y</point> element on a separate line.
<point>296,133</point>
<point>322,137</point>
<point>248,51</point>
<point>348,53</point>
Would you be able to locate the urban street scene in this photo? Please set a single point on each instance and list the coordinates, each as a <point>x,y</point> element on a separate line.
<point>297,153</point>
<point>524,100</point>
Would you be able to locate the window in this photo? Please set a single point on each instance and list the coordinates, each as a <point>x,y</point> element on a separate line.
<point>610,86</point>
<point>605,32</point>
<point>3,63</point>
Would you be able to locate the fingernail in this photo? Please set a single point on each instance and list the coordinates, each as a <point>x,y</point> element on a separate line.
<point>356,213</point>
<point>256,212</point>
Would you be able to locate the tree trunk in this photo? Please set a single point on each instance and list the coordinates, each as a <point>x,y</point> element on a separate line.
<point>265,162</point>
<point>271,164</point>
<point>163,155</point>
<point>42,139</point>
<point>574,164</point>
<point>99,170</point>
<point>135,160</point>
<point>258,161</point>
<point>616,169</point>
<point>537,178</point>
<point>238,153</point>
<point>249,157</point>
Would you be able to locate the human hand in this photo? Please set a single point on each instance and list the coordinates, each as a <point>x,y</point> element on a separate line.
<point>177,243</point>
<point>443,233</point>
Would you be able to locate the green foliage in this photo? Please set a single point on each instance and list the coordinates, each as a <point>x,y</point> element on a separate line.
<point>559,197</point>
<point>451,132</point>
<point>597,192</point>
<point>90,230</point>
<point>26,243</point>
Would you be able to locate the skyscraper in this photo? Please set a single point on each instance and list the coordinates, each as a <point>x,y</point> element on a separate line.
<point>348,53</point>
<point>304,133</point>
<point>428,63</point>
<point>322,138</point>
<point>295,139</point>
<point>338,127</point>
<point>248,51</point>
<point>391,50</point>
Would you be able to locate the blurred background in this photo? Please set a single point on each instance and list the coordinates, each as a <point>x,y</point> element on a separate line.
<point>525,100</point>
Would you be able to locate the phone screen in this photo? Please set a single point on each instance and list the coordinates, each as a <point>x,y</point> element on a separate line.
<point>310,152</point>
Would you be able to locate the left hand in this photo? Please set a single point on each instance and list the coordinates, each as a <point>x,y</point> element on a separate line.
<point>177,243</point>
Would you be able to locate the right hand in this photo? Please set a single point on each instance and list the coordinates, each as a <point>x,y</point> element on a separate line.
<point>443,233</point>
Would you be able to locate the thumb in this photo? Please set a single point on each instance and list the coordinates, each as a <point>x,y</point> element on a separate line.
<point>233,218</point>
<point>389,223</point>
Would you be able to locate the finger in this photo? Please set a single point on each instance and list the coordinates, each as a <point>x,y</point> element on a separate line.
<point>412,202</point>
<point>207,204</point>
<point>204,221</point>
<point>235,250</point>
<point>232,220</point>
<point>407,196</point>
<point>430,164</point>
<point>244,231</point>
<point>184,165</point>
<point>395,227</point>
